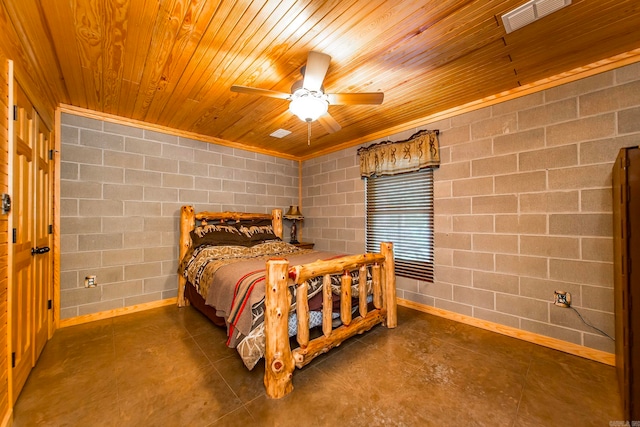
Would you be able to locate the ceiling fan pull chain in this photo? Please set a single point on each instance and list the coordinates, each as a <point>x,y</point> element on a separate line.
<point>309,133</point>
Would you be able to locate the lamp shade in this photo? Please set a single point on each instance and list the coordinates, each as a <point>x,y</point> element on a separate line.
<point>308,107</point>
<point>294,213</point>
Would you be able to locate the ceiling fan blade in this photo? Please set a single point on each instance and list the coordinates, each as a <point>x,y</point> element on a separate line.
<point>315,70</point>
<point>261,92</point>
<point>355,98</point>
<point>329,123</point>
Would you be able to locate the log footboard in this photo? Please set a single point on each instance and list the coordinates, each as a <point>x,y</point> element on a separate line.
<point>280,360</point>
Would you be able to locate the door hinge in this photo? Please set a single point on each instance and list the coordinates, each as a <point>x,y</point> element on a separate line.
<point>15,112</point>
<point>50,154</point>
<point>15,235</point>
<point>49,304</point>
<point>50,228</point>
<point>13,359</point>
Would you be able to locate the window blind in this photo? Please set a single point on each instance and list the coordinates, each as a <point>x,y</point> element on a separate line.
<point>399,209</point>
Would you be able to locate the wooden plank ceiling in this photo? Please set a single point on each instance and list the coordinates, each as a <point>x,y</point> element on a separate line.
<point>172,62</point>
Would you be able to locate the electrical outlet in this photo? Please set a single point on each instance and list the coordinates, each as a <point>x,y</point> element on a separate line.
<point>90,282</point>
<point>562,299</point>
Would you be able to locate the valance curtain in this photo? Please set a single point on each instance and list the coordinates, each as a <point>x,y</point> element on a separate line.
<point>421,150</point>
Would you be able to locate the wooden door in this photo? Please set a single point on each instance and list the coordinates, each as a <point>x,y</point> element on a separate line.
<point>22,291</point>
<point>626,246</point>
<point>42,256</point>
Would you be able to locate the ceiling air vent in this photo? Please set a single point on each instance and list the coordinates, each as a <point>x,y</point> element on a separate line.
<point>531,11</point>
<point>280,133</point>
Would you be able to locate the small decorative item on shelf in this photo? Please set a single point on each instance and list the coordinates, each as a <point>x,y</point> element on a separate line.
<point>294,214</point>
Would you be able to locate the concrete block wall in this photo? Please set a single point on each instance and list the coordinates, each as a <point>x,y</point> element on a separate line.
<point>522,207</point>
<point>333,202</point>
<point>121,192</point>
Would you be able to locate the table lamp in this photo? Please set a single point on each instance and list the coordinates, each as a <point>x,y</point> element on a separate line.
<point>294,214</point>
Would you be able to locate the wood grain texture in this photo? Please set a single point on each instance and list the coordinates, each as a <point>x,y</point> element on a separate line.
<point>172,63</point>
<point>302,311</point>
<point>318,268</point>
<point>362,291</point>
<point>327,298</point>
<point>28,48</point>
<point>187,223</point>
<point>345,298</point>
<point>278,360</point>
<point>5,406</point>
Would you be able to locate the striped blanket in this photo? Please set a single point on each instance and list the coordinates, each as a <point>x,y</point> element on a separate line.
<point>243,290</point>
<point>232,280</point>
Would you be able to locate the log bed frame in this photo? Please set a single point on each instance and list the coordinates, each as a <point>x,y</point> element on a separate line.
<point>280,359</point>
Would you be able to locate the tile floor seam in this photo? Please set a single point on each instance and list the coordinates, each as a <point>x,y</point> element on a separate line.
<point>227,383</point>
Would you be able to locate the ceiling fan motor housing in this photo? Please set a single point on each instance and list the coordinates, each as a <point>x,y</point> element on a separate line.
<point>300,85</point>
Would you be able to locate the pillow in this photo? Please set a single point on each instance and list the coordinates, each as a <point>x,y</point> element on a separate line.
<point>219,235</point>
<point>257,231</point>
<point>244,233</point>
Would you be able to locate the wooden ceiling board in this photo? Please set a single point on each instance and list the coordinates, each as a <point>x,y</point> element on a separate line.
<point>246,58</point>
<point>139,32</point>
<point>262,76</point>
<point>172,112</point>
<point>114,53</point>
<point>27,60</point>
<point>171,63</point>
<point>40,49</point>
<point>222,58</point>
<point>209,67</point>
<point>27,72</point>
<point>562,45</point>
<point>575,23</point>
<point>492,24</point>
<point>404,110</point>
<point>328,88</point>
<point>190,33</point>
<point>251,117</point>
<point>65,46</point>
<point>365,57</point>
<point>168,23</point>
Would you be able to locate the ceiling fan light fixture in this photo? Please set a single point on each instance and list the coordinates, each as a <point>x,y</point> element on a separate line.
<point>308,106</point>
<point>307,99</point>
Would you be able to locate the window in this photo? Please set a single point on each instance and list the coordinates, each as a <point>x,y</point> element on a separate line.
<point>399,209</point>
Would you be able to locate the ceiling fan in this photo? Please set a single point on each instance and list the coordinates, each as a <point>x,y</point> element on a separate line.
<point>307,98</point>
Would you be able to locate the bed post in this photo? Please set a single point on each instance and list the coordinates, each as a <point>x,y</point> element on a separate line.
<point>386,249</point>
<point>279,363</point>
<point>187,223</point>
<point>276,221</point>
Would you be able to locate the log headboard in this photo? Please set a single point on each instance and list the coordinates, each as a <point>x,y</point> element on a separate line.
<point>189,218</point>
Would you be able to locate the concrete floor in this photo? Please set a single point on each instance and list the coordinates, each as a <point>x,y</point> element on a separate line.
<point>147,369</point>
